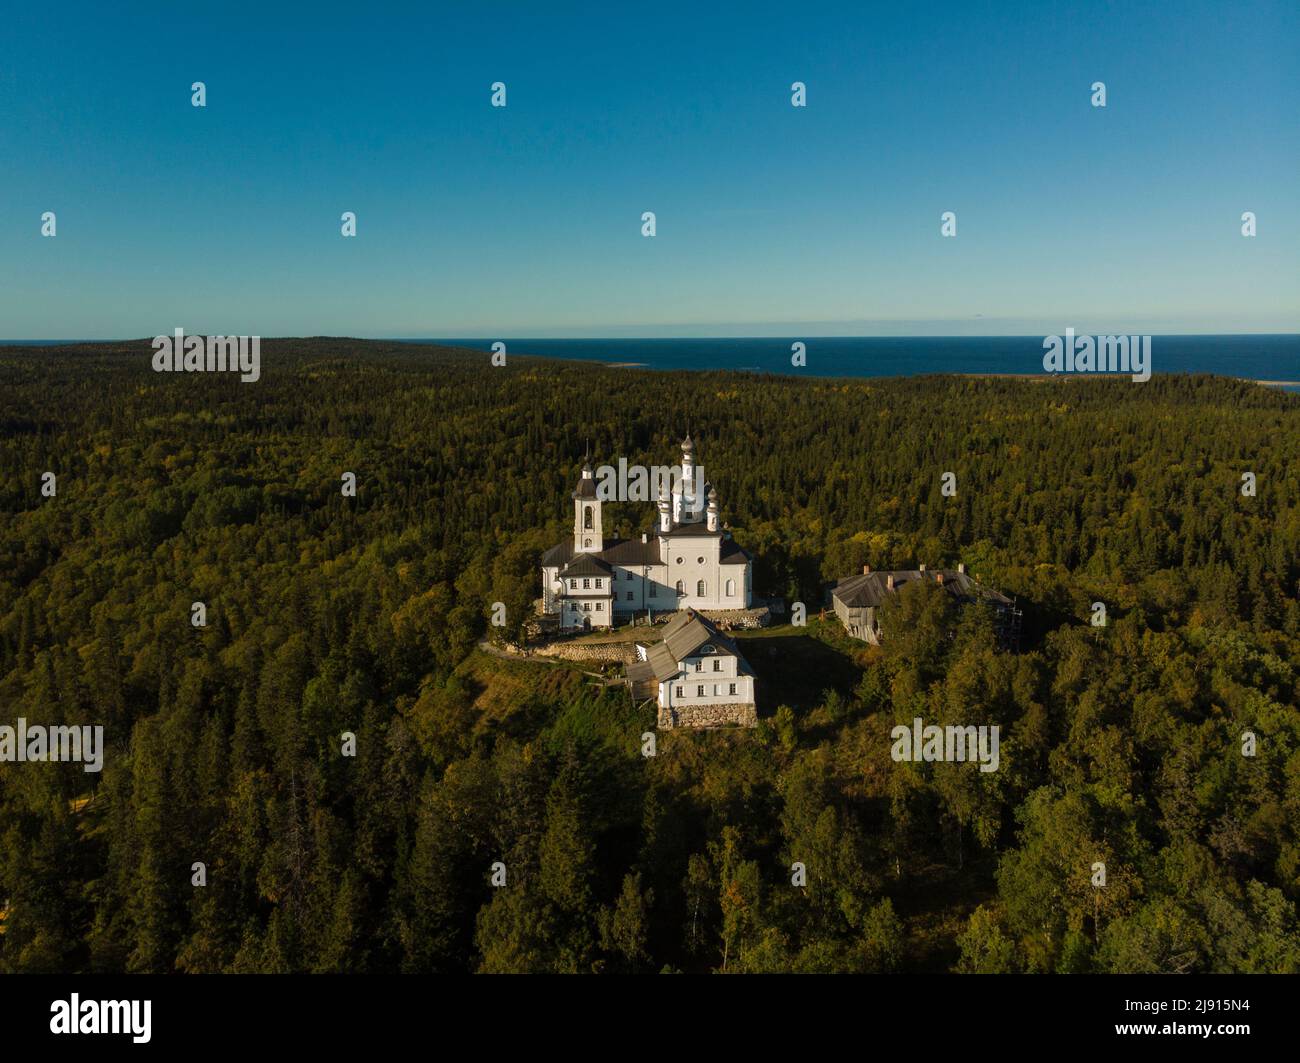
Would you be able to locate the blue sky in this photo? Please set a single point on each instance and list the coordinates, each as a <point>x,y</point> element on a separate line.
<point>525,221</point>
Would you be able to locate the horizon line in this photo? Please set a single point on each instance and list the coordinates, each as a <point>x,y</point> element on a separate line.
<point>27,341</point>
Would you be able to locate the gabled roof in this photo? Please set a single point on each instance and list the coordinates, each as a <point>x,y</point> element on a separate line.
<point>585,565</point>
<point>871,588</point>
<point>626,552</point>
<point>683,636</point>
<point>633,552</point>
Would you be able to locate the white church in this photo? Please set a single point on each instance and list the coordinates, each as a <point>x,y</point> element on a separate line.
<point>689,562</point>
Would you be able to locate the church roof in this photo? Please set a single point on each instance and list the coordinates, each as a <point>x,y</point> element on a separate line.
<point>586,488</point>
<point>633,552</point>
<point>733,553</point>
<point>625,552</point>
<point>585,565</point>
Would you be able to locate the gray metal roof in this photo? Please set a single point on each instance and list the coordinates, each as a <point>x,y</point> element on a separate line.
<point>871,588</point>
<point>585,565</point>
<point>685,634</point>
<point>625,552</point>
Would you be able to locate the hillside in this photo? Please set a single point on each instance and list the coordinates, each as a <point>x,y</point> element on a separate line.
<point>328,614</point>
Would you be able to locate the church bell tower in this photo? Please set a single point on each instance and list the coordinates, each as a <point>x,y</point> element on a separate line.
<point>588,535</point>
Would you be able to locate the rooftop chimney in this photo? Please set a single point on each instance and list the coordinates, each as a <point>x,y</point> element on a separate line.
<point>922,566</point>
<point>889,582</point>
<point>644,537</point>
<point>866,570</point>
<point>938,577</point>
<point>961,567</point>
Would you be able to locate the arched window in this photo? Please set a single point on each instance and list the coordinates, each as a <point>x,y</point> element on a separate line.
<point>699,589</point>
<point>586,517</point>
<point>681,587</point>
<point>731,588</point>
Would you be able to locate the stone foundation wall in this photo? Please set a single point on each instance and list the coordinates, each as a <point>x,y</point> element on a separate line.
<point>729,619</point>
<point>624,652</point>
<point>702,716</point>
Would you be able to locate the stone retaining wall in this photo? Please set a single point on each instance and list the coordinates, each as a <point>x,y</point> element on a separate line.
<point>703,716</point>
<point>624,652</point>
<point>730,619</point>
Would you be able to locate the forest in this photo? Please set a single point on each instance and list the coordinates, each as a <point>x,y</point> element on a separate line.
<point>1164,744</point>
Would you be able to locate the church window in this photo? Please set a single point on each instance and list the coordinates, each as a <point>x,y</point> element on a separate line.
<point>586,584</point>
<point>717,665</point>
<point>699,691</point>
<point>699,589</point>
<point>629,596</point>
<point>699,666</point>
<point>600,607</point>
<point>679,692</point>
<point>573,584</point>
<point>654,590</point>
<point>733,689</point>
<point>699,560</point>
<point>731,588</point>
<point>679,560</point>
<point>586,518</point>
<point>586,607</point>
<point>597,584</point>
<point>586,542</point>
<point>681,587</point>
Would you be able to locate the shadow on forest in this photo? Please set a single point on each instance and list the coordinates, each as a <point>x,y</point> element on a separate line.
<point>798,670</point>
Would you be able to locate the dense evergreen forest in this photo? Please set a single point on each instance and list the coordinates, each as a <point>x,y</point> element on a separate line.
<point>1121,744</point>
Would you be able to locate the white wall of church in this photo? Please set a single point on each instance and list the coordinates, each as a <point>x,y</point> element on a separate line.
<point>692,561</point>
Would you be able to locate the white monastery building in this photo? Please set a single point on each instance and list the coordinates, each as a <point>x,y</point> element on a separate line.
<point>689,562</point>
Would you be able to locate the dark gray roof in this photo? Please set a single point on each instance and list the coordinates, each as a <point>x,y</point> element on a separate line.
<point>871,588</point>
<point>585,565</point>
<point>586,489</point>
<point>633,552</point>
<point>733,553</point>
<point>625,552</point>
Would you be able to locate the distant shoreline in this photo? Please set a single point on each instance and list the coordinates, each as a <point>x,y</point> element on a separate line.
<point>978,376</point>
<point>1271,361</point>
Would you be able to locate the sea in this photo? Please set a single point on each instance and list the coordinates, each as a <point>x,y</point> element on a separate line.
<point>1263,357</point>
<point>1272,358</point>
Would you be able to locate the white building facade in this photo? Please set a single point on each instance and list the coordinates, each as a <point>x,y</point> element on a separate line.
<point>689,562</point>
